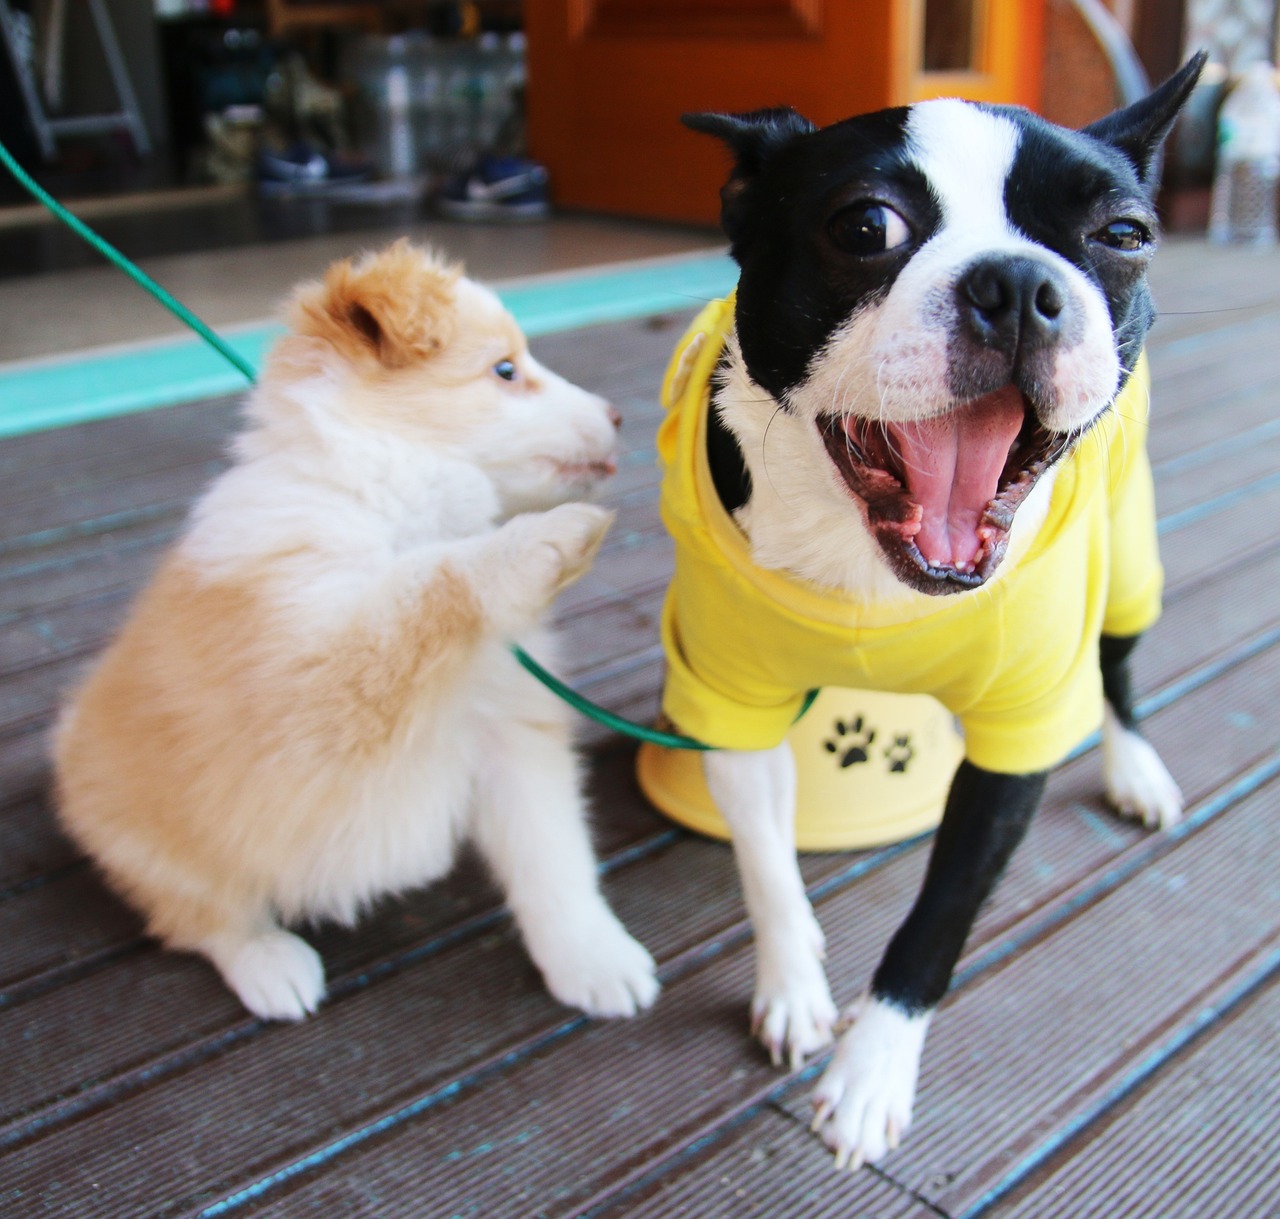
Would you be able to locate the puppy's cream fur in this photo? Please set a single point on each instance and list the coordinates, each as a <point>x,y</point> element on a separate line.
<point>314,702</point>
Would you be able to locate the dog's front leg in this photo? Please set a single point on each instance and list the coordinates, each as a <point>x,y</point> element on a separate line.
<point>531,826</point>
<point>792,1009</point>
<point>865,1098</point>
<point>1137,782</point>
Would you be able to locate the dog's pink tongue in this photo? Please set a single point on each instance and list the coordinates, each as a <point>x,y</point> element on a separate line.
<point>952,466</point>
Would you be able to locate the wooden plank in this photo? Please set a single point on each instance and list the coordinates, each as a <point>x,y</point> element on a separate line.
<point>1024,1051</point>
<point>256,1108</point>
<point>704,1015</point>
<point>30,525</point>
<point>94,445</point>
<point>24,765</point>
<point>1215,421</point>
<point>61,632</point>
<point>30,846</point>
<point>85,469</point>
<point>57,576</point>
<point>1201,1138</point>
<point>192,1016</point>
<point>575,1153</point>
<point>762,1167</point>
<point>1200,289</point>
<point>60,924</point>
<point>1233,463</point>
<point>1209,547</point>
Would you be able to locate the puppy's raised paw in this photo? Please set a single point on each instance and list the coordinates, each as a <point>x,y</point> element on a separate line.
<point>573,532</point>
<point>536,555</point>
<point>864,1100</point>
<point>1137,782</point>
<point>277,975</point>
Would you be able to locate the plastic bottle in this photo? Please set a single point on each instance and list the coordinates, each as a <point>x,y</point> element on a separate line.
<point>1247,176</point>
<point>428,91</point>
<point>400,160</point>
<point>490,100</point>
<point>456,106</point>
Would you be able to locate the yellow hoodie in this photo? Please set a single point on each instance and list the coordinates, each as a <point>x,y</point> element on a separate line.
<point>1016,661</point>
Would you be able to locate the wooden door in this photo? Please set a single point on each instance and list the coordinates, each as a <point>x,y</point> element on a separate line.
<point>609,79</point>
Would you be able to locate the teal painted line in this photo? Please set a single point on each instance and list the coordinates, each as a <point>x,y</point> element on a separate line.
<point>38,396</point>
<point>619,294</point>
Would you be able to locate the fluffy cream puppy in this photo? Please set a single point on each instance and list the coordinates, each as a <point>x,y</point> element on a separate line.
<point>314,702</point>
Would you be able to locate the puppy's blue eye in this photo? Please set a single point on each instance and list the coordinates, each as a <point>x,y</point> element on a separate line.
<point>505,369</point>
<point>868,228</point>
<point>1125,235</point>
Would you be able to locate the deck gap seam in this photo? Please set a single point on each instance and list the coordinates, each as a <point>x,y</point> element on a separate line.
<point>1249,983</point>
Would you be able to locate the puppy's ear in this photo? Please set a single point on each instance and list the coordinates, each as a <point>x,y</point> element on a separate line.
<point>395,308</point>
<point>753,139</point>
<point>1139,130</point>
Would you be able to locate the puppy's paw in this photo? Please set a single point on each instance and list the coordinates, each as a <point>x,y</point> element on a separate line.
<point>534,557</point>
<point>600,969</point>
<point>792,1013</point>
<point>277,975</point>
<point>1137,782</point>
<point>864,1100</point>
<point>564,540</point>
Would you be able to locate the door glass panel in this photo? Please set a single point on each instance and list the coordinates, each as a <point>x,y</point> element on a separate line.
<point>949,35</point>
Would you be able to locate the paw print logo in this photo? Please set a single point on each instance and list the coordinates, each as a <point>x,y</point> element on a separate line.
<point>899,755</point>
<point>851,742</point>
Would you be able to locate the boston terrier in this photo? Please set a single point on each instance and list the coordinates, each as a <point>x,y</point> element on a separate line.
<point>909,454</point>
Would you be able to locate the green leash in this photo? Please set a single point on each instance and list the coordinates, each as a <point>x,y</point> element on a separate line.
<point>575,700</point>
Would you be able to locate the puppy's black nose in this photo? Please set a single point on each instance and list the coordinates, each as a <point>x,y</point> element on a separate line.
<point>1012,303</point>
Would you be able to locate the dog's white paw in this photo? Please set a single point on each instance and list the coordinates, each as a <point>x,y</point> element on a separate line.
<point>864,1100</point>
<point>792,1013</point>
<point>600,969</point>
<point>1137,782</point>
<point>277,975</point>
<point>568,537</point>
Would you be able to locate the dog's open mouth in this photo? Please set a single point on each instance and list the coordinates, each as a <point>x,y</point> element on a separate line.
<point>941,494</point>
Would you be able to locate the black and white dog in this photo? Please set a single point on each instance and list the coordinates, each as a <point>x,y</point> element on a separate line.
<point>938,305</point>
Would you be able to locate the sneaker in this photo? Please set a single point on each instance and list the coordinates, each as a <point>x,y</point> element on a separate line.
<point>499,188</point>
<point>301,168</point>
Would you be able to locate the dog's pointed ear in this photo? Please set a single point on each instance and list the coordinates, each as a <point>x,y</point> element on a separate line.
<point>753,139</point>
<point>394,308</point>
<point>1139,130</point>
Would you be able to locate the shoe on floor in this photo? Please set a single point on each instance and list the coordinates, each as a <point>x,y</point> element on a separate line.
<point>498,188</point>
<point>302,167</point>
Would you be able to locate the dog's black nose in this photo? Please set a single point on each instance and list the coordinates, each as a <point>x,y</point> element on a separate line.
<point>1012,303</point>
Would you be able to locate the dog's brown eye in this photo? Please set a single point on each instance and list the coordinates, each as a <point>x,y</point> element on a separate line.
<point>505,369</point>
<point>868,228</point>
<point>1126,235</point>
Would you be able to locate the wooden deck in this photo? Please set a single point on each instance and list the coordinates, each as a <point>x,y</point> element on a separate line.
<point>1112,1044</point>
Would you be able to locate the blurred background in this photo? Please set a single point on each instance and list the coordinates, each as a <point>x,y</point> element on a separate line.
<point>307,116</point>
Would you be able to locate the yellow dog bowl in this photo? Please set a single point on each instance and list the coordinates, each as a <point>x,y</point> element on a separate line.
<point>871,768</point>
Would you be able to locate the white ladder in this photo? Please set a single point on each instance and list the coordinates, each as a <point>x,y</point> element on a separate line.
<point>49,129</point>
